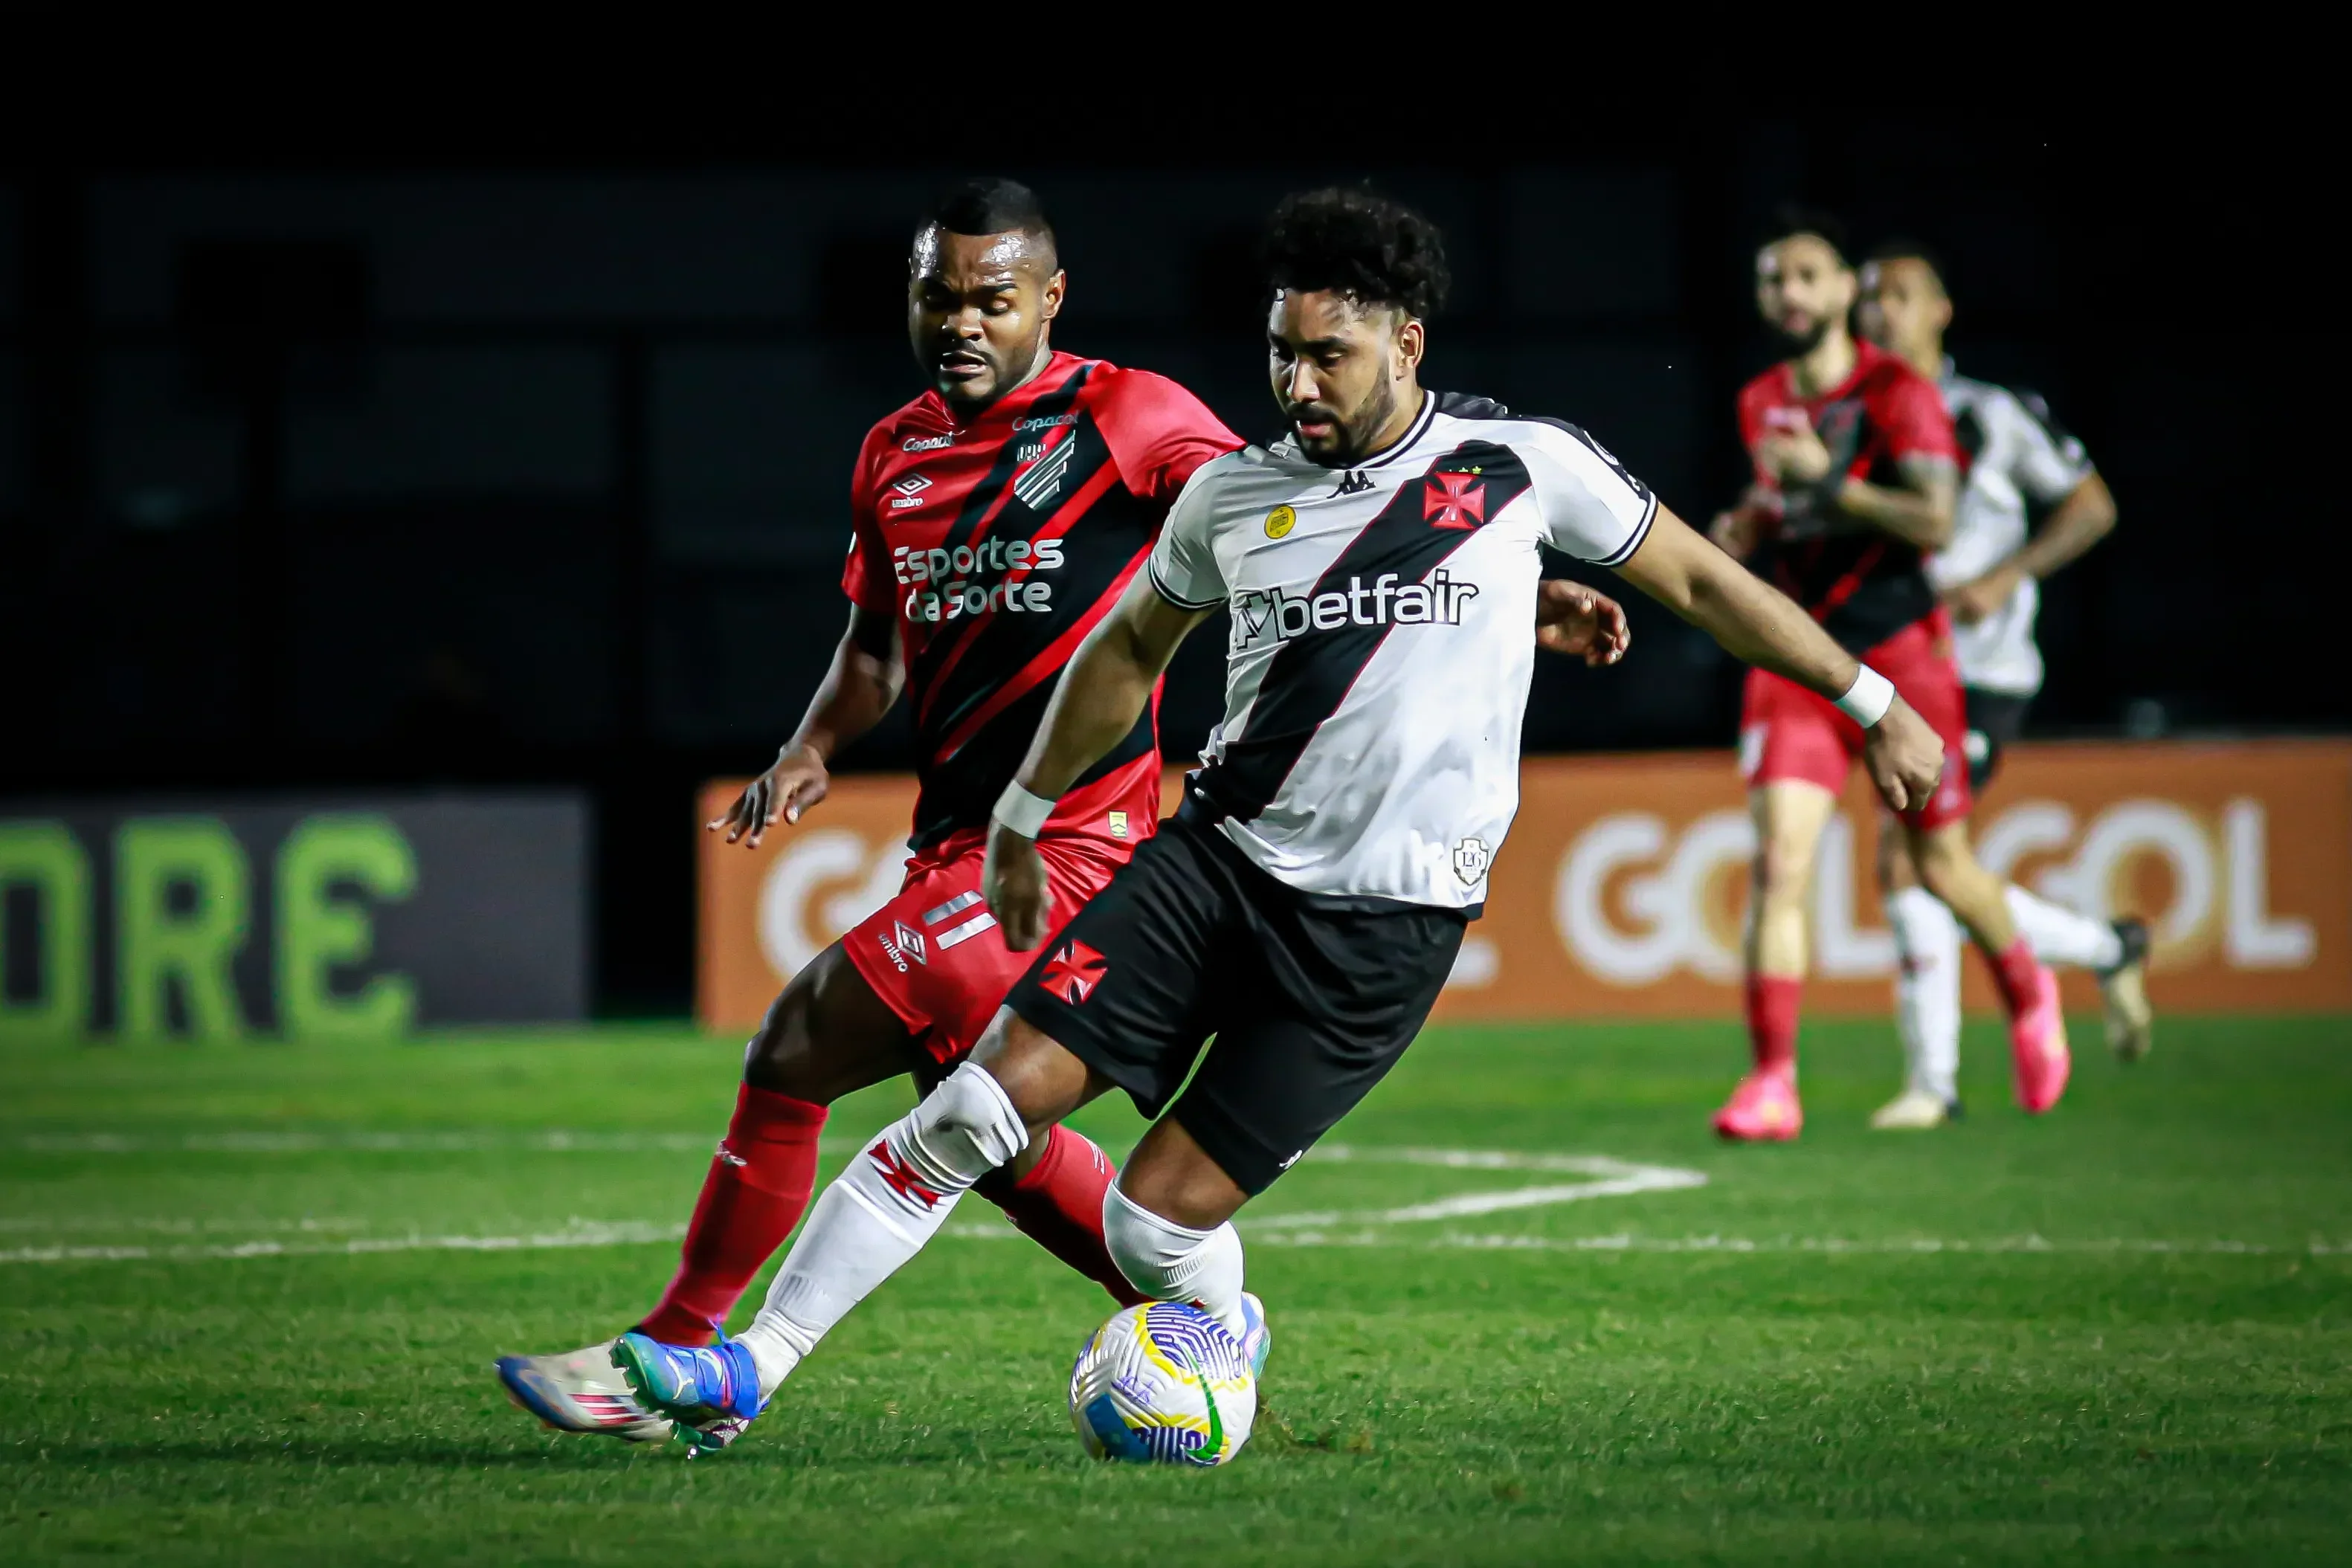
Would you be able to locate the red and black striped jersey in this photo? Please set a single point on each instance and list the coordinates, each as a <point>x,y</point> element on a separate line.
<point>1861,584</point>
<point>999,545</point>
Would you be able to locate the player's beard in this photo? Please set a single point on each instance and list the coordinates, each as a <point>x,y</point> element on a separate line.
<point>1797,344</point>
<point>1354,432</point>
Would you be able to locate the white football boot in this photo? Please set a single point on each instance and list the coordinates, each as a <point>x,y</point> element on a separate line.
<point>1913,1111</point>
<point>581,1390</point>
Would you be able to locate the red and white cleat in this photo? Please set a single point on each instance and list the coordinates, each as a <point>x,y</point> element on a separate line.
<point>1763,1109</point>
<point>2037,1047</point>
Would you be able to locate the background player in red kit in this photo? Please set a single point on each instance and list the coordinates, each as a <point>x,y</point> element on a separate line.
<point>996,518</point>
<point>1857,478</point>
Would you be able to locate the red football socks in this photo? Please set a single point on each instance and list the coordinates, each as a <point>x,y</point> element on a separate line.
<point>1059,1205</point>
<point>2017,972</point>
<point>1772,1020</point>
<point>757,1187</point>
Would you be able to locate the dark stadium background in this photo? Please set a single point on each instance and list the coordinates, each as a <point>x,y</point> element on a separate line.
<point>336,451</point>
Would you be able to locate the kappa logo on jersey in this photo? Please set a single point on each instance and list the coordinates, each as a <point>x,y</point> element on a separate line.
<point>1073,973</point>
<point>1277,615</point>
<point>900,1176</point>
<point>910,491</point>
<point>1471,858</point>
<point>1454,501</point>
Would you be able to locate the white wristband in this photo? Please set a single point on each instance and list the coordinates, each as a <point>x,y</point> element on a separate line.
<point>1866,701</point>
<point>1022,812</point>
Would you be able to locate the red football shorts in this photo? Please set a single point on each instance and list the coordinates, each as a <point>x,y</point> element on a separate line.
<point>1787,731</point>
<point>934,953</point>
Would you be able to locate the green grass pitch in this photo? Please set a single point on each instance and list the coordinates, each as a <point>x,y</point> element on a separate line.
<point>249,1296</point>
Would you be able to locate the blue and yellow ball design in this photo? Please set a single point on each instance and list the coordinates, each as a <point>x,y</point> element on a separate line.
<point>1163,1383</point>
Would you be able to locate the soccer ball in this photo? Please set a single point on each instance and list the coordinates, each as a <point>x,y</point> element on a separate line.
<point>1163,1383</point>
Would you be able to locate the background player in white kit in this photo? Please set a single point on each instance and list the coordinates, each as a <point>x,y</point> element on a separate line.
<point>1380,565</point>
<point>2017,458</point>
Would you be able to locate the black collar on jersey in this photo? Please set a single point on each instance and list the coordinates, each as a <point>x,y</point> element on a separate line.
<point>1287,446</point>
<point>1420,427</point>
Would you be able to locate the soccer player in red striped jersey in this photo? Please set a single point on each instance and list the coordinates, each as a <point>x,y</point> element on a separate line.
<point>996,518</point>
<point>1857,478</point>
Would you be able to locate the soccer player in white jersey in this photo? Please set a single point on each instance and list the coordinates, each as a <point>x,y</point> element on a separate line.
<point>1381,566</point>
<point>2017,458</point>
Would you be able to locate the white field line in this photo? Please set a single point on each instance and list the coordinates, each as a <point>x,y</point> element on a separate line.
<point>1903,1246</point>
<point>1606,1177</point>
<point>1612,1178</point>
<point>559,1140</point>
<point>580,1233</point>
<point>270,1142</point>
<point>1739,1246</point>
<point>584,1233</point>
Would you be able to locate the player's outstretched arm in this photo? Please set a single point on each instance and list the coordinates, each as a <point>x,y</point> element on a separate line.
<point>1919,511</point>
<point>1759,625</point>
<point>867,671</point>
<point>1101,696</point>
<point>2078,522</point>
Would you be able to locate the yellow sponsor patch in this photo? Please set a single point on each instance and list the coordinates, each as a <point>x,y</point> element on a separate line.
<point>1280,521</point>
<point>1119,824</point>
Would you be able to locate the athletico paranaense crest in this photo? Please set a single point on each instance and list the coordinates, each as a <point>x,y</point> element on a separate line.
<point>1073,973</point>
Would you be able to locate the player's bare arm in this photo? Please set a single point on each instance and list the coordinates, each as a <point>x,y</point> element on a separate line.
<point>1099,698</point>
<point>1575,620</point>
<point>1740,530</point>
<point>1757,624</point>
<point>1919,511</point>
<point>856,691</point>
<point>2084,518</point>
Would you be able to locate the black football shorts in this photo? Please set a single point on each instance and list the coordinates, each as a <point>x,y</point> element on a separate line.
<point>1995,720</point>
<point>1310,999</point>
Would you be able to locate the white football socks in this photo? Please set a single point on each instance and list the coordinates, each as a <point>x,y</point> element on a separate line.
<point>2059,935</point>
<point>1169,1262</point>
<point>1927,982</point>
<point>1926,990</point>
<point>879,1212</point>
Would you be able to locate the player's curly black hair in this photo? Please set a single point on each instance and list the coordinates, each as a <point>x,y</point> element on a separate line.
<point>1357,243</point>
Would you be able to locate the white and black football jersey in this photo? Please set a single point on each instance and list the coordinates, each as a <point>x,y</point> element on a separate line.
<point>2017,456</point>
<point>1383,639</point>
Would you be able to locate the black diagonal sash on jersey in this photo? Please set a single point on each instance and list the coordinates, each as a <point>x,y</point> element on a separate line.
<point>980,502</point>
<point>959,671</point>
<point>1312,674</point>
<point>1048,405</point>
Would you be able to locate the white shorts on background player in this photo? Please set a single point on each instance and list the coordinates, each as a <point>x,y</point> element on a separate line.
<point>2020,459</point>
<point>1405,789</point>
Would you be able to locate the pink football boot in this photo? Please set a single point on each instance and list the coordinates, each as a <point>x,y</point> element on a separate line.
<point>2037,1046</point>
<point>1763,1109</point>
